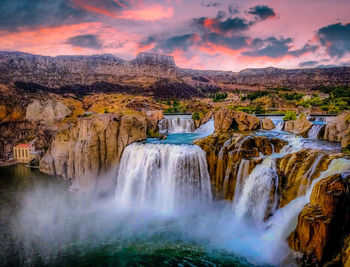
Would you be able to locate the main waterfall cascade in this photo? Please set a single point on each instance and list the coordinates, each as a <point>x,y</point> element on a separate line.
<point>165,176</point>
<point>172,177</point>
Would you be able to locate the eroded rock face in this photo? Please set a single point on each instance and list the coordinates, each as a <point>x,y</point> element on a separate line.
<point>225,153</point>
<point>301,126</point>
<point>227,120</point>
<point>267,124</point>
<point>323,223</point>
<point>339,130</point>
<point>298,170</point>
<point>48,112</point>
<point>91,148</point>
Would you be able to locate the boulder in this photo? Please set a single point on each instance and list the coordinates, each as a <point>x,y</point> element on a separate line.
<point>233,120</point>
<point>267,124</point>
<point>47,112</point>
<point>91,148</point>
<point>324,221</point>
<point>301,126</point>
<point>339,130</point>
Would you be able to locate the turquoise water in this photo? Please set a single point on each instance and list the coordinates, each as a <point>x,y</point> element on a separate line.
<point>43,224</point>
<point>177,139</point>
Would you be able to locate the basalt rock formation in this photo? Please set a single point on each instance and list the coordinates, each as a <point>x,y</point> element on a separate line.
<point>298,170</point>
<point>301,126</point>
<point>323,223</point>
<point>91,148</point>
<point>267,124</point>
<point>232,120</point>
<point>225,152</point>
<point>339,130</point>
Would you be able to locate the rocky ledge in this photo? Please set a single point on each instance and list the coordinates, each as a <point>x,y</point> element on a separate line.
<point>91,148</point>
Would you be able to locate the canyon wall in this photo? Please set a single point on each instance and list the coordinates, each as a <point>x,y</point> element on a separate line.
<point>91,148</point>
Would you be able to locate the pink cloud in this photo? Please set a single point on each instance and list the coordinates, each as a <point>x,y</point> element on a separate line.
<point>148,13</point>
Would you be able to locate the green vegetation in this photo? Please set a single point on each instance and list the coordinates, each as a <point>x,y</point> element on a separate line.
<point>219,97</point>
<point>153,134</point>
<point>280,88</point>
<point>250,110</point>
<point>175,107</point>
<point>293,96</point>
<point>106,110</point>
<point>256,95</point>
<point>290,115</point>
<point>195,116</point>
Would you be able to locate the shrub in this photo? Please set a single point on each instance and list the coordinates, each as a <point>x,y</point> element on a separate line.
<point>256,95</point>
<point>219,97</point>
<point>153,134</point>
<point>195,116</point>
<point>290,116</point>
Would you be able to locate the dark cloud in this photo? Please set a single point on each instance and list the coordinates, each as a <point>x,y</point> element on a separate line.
<point>262,12</point>
<point>211,4</point>
<point>86,41</point>
<point>221,14</point>
<point>171,44</point>
<point>235,42</point>
<point>18,13</point>
<point>309,63</point>
<point>336,38</point>
<point>224,26</point>
<point>276,47</point>
<point>233,9</point>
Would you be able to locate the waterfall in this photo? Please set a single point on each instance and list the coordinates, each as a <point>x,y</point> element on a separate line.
<point>315,130</point>
<point>242,174</point>
<point>206,128</point>
<point>164,176</point>
<point>279,125</point>
<point>255,197</point>
<point>283,222</point>
<point>176,124</point>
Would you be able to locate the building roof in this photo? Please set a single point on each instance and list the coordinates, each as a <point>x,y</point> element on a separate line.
<point>23,146</point>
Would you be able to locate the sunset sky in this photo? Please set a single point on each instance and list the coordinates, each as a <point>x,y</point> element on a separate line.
<point>224,35</point>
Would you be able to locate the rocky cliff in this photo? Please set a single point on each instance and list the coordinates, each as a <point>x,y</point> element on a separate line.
<point>91,148</point>
<point>339,130</point>
<point>225,152</point>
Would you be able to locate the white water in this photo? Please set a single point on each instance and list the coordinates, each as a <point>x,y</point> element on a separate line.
<point>165,176</point>
<point>315,130</point>
<point>283,222</point>
<point>176,124</point>
<point>253,202</point>
<point>279,125</point>
<point>242,174</point>
<point>206,128</point>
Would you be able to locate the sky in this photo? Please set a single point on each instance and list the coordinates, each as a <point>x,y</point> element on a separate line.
<point>200,34</point>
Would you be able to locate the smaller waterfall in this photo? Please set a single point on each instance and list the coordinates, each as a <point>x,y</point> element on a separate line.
<point>279,125</point>
<point>255,196</point>
<point>163,176</point>
<point>283,222</point>
<point>206,128</point>
<point>176,124</point>
<point>315,130</point>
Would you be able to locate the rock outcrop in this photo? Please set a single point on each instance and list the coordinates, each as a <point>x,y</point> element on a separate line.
<point>297,171</point>
<point>48,112</point>
<point>323,223</point>
<point>225,153</point>
<point>91,148</point>
<point>339,130</point>
<point>301,126</point>
<point>267,124</point>
<point>233,120</point>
